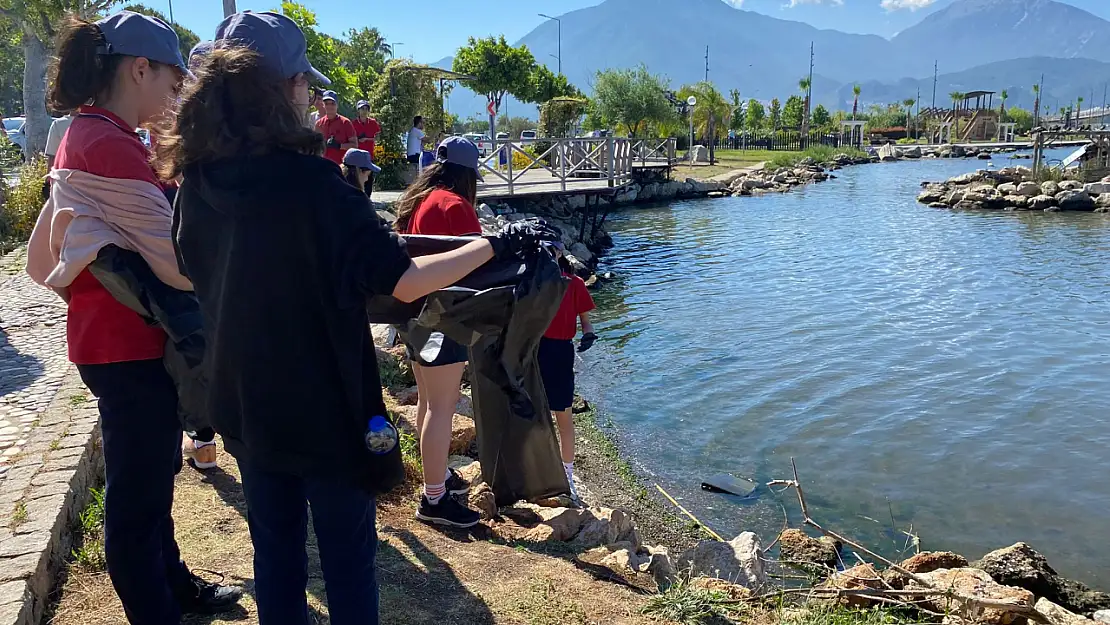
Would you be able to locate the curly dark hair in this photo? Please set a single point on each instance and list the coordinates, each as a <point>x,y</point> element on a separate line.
<point>235,107</point>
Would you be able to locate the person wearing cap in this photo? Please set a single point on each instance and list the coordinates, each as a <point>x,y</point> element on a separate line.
<point>441,202</point>
<point>115,75</point>
<point>283,253</point>
<point>339,132</point>
<point>359,169</point>
<point>366,127</point>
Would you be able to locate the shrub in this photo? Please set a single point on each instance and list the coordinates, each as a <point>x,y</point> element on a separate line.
<point>22,204</point>
<point>10,154</point>
<point>89,555</point>
<point>393,166</point>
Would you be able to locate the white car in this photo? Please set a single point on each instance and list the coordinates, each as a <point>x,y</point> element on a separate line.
<point>485,146</point>
<point>529,135</point>
<point>14,128</point>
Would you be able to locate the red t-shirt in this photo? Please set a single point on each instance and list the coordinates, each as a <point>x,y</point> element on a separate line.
<point>341,130</point>
<point>577,301</point>
<point>99,329</point>
<point>366,131</point>
<point>444,213</point>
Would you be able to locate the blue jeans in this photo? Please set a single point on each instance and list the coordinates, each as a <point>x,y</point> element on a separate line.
<point>142,454</point>
<point>343,518</point>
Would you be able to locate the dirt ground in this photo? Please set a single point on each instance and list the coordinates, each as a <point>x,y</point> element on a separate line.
<point>426,576</point>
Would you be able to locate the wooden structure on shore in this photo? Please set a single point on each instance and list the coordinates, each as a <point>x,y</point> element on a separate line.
<point>973,118</point>
<point>1093,159</point>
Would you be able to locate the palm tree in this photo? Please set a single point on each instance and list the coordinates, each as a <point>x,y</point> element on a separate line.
<point>908,103</point>
<point>855,104</point>
<point>1078,110</point>
<point>1036,105</point>
<point>804,84</point>
<point>1002,109</point>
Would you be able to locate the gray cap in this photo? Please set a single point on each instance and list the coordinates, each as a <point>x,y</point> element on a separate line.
<point>361,159</point>
<point>133,34</point>
<point>459,151</point>
<point>330,95</point>
<point>275,37</point>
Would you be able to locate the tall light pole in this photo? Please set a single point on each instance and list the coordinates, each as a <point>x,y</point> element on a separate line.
<point>229,8</point>
<point>559,22</point>
<point>171,11</point>
<point>393,49</point>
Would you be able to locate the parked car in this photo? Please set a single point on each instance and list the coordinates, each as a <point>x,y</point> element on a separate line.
<point>14,128</point>
<point>485,146</point>
<point>502,136</point>
<point>529,135</point>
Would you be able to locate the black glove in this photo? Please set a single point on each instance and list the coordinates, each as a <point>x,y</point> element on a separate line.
<point>521,239</point>
<point>587,342</point>
<point>333,143</point>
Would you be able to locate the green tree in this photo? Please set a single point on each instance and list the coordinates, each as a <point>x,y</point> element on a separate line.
<point>632,98</point>
<point>855,100</point>
<point>363,54</point>
<point>736,122</point>
<point>1005,95</point>
<point>498,69</point>
<point>514,125</point>
<point>775,118</point>
<point>11,69</point>
<point>396,98</point>
<point>559,116</point>
<point>908,103</point>
<point>35,20</point>
<point>821,118</point>
<point>793,112</point>
<point>546,85</point>
<point>324,53</point>
<point>804,84</point>
<point>711,105</point>
<point>186,38</point>
<point>1036,103</point>
<point>755,115</point>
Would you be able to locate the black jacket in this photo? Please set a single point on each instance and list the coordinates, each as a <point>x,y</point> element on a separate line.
<point>282,253</point>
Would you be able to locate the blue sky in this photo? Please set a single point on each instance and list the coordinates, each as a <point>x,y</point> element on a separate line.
<point>432,29</point>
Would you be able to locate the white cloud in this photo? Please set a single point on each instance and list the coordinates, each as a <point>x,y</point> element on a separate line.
<point>794,3</point>
<point>912,5</point>
<point>736,3</point>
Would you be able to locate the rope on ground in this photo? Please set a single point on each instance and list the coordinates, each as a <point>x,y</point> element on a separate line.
<point>687,513</point>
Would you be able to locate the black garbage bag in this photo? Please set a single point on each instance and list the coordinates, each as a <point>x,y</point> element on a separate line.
<point>130,280</point>
<point>499,311</point>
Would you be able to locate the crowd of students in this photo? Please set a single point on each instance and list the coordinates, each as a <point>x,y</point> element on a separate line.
<point>279,249</point>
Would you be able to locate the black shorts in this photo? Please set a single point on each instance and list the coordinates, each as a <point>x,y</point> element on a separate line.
<point>414,159</point>
<point>437,351</point>
<point>557,369</point>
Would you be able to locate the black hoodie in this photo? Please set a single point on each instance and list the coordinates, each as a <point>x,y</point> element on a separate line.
<point>282,253</point>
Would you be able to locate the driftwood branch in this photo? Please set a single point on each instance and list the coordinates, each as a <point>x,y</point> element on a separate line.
<point>929,588</point>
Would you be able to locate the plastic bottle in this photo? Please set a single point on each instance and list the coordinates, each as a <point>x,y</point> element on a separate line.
<point>381,436</point>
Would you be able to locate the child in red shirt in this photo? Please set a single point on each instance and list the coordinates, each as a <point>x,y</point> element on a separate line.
<point>556,360</point>
<point>339,132</point>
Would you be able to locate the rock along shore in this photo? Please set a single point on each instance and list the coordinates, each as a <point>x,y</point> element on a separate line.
<point>1013,189</point>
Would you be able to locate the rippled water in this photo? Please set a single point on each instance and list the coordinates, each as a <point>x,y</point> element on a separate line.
<point>946,369</point>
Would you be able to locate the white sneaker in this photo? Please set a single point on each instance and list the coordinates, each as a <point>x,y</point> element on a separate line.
<point>202,455</point>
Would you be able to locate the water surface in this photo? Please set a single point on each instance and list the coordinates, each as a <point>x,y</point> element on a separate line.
<point>944,369</point>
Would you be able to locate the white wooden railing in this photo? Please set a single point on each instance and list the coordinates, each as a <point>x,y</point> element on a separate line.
<point>557,162</point>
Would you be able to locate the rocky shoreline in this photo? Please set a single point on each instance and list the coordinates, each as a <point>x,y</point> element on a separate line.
<point>1014,189</point>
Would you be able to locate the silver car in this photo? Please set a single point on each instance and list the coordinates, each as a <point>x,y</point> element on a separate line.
<point>15,128</point>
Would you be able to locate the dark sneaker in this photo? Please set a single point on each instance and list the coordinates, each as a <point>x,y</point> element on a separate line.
<point>447,512</point>
<point>198,596</point>
<point>457,485</point>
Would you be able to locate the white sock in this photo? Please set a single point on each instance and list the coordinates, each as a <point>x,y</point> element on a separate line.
<point>568,467</point>
<point>446,474</point>
<point>434,492</point>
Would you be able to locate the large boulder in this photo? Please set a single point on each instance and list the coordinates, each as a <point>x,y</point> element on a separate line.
<point>1017,201</point>
<point>1070,185</point>
<point>700,154</point>
<point>967,178</point>
<point>977,584</point>
<point>1097,188</point>
<point>911,152</point>
<point>384,335</point>
<point>1042,202</point>
<point>932,193</point>
<point>582,252</point>
<point>1075,200</point>
<point>1028,189</point>
<point>1022,566</point>
<point>738,561</point>
<point>887,153</point>
<point>1050,188</point>
<point>1102,616</point>
<point>1007,188</point>
<point>924,562</point>
<point>1103,201</point>
<point>798,548</point>
<point>859,577</point>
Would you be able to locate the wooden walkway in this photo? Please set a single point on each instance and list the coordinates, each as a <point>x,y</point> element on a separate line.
<point>531,183</point>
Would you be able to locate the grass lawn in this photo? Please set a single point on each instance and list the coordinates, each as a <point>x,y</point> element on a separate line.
<point>728,160</point>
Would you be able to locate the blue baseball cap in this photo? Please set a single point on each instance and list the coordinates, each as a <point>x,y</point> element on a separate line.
<point>362,104</point>
<point>199,51</point>
<point>133,34</point>
<point>361,159</point>
<point>330,95</point>
<point>460,151</point>
<point>275,37</point>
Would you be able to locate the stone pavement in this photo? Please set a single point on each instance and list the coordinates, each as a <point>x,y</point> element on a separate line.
<point>33,358</point>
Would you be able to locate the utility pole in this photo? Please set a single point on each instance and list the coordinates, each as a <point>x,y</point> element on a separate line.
<point>559,22</point>
<point>171,11</point>
<point>229,8</point>
<point>1102,118</point>
<point>936,64</point>
<point>706,63</point>
<point>809,100</point>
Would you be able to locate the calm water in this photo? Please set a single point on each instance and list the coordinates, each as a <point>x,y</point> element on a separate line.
<point>948,369</point>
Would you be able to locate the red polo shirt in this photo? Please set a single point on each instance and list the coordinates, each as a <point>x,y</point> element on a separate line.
<point>576,301</point>
<point>366,130</point>
<point>339,128</point>
<point>99,329</point>
<point>445,213</point>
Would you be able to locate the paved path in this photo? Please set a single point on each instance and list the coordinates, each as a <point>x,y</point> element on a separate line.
<point>33,357</point>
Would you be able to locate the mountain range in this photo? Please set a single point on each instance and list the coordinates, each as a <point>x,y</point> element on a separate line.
<point>975,44</point>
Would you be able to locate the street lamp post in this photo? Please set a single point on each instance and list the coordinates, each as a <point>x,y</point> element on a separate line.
<point>393,49</point>
<point>560,24</point>
<point>691,101</point>
<point>171,11</point>
<point>229,8</point>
